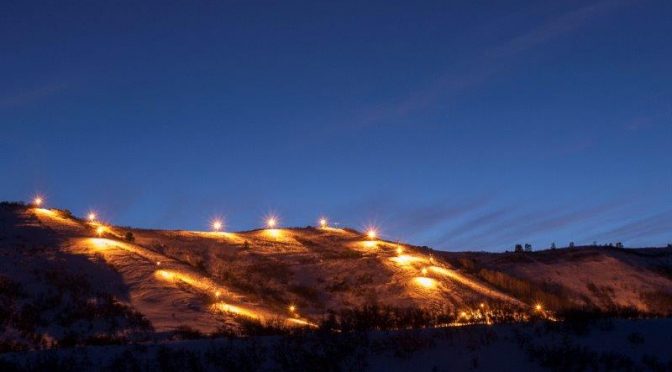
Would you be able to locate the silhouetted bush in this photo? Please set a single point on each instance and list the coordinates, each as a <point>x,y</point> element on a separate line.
<point>272,327</point>
<point>375,317</point>
<point>129,237</point>
<point>185,332</point>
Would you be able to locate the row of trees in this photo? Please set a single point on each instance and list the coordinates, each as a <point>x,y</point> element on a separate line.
<point>519,248</point>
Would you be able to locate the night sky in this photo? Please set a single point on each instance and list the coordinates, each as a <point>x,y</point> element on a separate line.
<point>462,126</point>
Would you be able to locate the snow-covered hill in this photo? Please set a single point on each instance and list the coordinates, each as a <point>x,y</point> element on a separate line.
<point>591,277</point>
<point>152,281</point>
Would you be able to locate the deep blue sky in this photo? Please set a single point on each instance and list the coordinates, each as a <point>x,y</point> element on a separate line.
<point>459,125</point>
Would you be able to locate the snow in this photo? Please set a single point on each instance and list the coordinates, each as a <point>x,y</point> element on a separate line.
<point>607,277</point>
<point>203,279</point>
<point>507,347</point>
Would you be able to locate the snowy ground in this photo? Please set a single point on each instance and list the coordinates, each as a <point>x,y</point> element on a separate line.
<point>602,345</point>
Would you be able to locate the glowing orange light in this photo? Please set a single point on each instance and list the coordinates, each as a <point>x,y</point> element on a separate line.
<point>100,230</point>
<point>292,308</point>
<point>228,308</point>
<point>454,275</point>
<point>482,305</point>
<point>424,271</point>
<point>425,282</point>
<point>407,259</point>
<point>323,222</point>
<point>370,244</point>
<point>166,274</point>
<point>371,233</point>
<point>158,263</point>
<point>99,243</point>
<point>217,294</point>
<point>91,216</point>
<point>538,307</point>
<point>271,222</point>
<point>217,225</point>
<point>38,201</point>
<point>463,314</point>
<point>399,251</point>
<point>301,322</point>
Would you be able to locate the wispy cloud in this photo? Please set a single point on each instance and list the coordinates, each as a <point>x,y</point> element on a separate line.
<point>553,28</point>
<point>642,227</point>
<point>429,216</point>
<point>488,63</point>
<point>496,232</point>
<point>474,224</point>
<point>416,219</point>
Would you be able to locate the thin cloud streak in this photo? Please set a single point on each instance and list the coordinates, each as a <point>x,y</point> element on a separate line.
<point>524,227</point>
<point>556,27</point>
<point>491,62</point>
<point>428,217</point>
<point>412,220</point>
<point>472,225</point>
<point>648,226</point>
